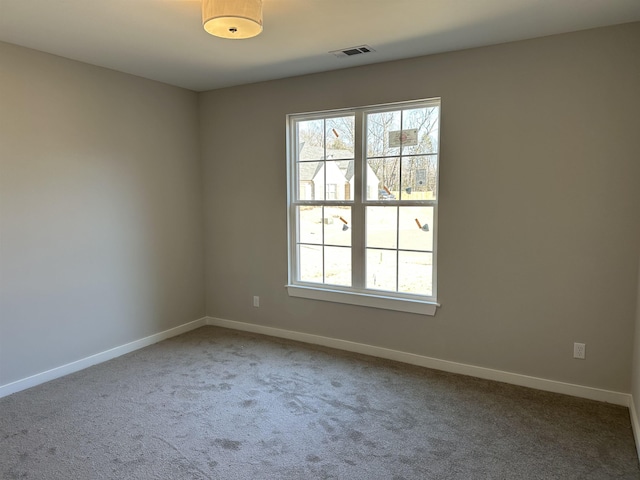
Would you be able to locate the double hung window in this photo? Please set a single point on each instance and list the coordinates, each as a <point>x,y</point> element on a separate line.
<point>363,205</point>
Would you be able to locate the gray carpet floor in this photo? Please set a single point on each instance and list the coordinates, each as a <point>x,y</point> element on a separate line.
<point>220,404</point>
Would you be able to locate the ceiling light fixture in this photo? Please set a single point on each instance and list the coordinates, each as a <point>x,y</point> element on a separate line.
<point>232,18</point>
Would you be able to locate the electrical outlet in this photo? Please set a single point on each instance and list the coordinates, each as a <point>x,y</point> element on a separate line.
<point>579,350</point>
<point>256,301</point>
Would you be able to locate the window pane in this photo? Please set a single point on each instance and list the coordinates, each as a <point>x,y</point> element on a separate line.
<point>382,225</point>
<point>310,263</point>
<point>379,128</point>
<point>416,228</point>
<point>346,167</point>
<point>311,180</point>
<point>339,137</point>
<point>383,178</point>
<point>339,180</point>
<point>311,140</point>
<point>337,265</point>
<point>415,273</point>
<point>337,229</point>
<point>419,178</point>
<point>421,124</point>
<point>310,224</point>
<point>381,269</point>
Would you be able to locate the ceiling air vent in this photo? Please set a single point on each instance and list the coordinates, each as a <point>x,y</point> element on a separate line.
<point>352,51</point>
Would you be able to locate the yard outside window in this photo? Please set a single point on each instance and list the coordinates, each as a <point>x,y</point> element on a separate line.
<point>363,200</point>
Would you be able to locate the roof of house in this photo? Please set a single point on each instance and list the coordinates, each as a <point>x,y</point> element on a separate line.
<point>309,152</point>
<point>308,168</point>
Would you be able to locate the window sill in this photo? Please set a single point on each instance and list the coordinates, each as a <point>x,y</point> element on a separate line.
<point>364,299</point>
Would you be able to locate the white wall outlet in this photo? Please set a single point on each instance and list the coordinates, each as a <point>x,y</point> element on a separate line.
<point>256,301</point>
<point>579,350</point>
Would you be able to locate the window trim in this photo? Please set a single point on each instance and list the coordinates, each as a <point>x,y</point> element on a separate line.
<point>397,301</point>
<point>363,299</point>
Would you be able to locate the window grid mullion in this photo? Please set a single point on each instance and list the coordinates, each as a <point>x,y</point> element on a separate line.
<point>397,248</point>
<point>381,157</point>
<point>398,207</point>
<point>324,158</point>
<point>358,247</point>
<point>324,197</point>
<point>400,161</point>
<point>394,249</point>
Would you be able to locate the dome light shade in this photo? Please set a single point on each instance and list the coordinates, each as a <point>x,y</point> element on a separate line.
<point>232,18</point>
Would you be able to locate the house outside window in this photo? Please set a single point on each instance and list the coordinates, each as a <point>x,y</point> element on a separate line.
<point>362,201</point>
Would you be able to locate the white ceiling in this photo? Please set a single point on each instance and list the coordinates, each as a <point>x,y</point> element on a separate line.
<point>164,40</point>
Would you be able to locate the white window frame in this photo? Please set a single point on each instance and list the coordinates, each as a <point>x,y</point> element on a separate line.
<point>356,294</point>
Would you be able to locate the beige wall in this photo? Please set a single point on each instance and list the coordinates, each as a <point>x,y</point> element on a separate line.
<point>539,215</point>
<point>100,210</point>
<point>101,236</point>
<point>635,380</point>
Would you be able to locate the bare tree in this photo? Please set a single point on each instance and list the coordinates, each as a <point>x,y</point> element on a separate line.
<point>417,170</point>
<point>398,167</point>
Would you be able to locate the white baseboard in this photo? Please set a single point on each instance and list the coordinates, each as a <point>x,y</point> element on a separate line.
<point>617,398</point>
<point>72,367</point>
<point>634,424</point>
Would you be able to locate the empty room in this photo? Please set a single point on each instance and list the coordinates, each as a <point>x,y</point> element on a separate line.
<point>280,239</point>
